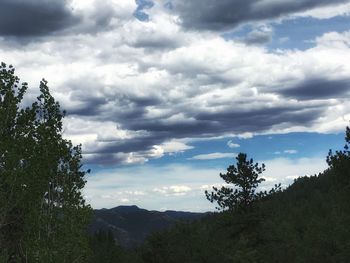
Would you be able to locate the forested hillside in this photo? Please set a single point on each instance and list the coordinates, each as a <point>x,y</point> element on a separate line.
<point>131,225</point>
<point>307,222</point>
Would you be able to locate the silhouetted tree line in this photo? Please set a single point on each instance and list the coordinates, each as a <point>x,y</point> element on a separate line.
<point>43,216</point>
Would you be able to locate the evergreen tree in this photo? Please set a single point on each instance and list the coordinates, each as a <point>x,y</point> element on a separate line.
<point>339,162</point>
<point>43,214</point>
<point>243,179</point>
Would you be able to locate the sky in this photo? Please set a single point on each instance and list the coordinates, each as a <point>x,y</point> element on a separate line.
<point>164,94</point>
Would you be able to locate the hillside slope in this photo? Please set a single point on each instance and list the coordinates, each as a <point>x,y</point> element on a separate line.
<point>307,222</point>
<point>131,225</point>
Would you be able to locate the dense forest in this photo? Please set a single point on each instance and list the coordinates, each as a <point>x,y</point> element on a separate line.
<point>44,218</point>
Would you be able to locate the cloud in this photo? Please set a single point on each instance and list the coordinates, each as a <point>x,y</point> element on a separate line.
<point>154,38</point>
<point>227,14</point>
<point>284,170</point>
<point>258,36</point>
<point>291,151</point>
<point>135,107</point>
<point>231,144</point>
<point>24,22</point>
<point>174,146</point>
<point>326,12</point>
<point>212,156</point>
<point>319,88</point>
<point>129,102</point>
<point>173,190</point>
<point>102,16</point>
<point>26,18</point>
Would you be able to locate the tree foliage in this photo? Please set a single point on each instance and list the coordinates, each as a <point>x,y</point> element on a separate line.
<point>243,179</point>
<point>43,214</point>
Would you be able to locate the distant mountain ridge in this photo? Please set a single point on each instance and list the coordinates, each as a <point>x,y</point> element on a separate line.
<point>130,225</point>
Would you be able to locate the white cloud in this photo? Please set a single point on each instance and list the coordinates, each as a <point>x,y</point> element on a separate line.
<point>290,151</point>
<point>284,170</point>
<point>175,190</point>
<point>180,188</point>
<point>326,12</point>
<point>334,40</point>
<point>212,156</point>
<point>175,146</point>
<point>231,144</point>
<point>245,135</point>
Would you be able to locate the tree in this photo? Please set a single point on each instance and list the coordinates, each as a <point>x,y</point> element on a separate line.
<point>243,179</point>
<point>43,214</point>
<point>104,248</point>
<point>339,162</point>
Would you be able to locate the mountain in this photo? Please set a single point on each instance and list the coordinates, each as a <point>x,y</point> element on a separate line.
<point>130,225</point>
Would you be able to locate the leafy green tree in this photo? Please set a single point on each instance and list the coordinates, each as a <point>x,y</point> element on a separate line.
<point>243,179</point>
<point>43,214</point>
<point>13,141</point>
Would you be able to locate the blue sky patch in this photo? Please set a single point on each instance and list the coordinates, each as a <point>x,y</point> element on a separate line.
<point>262,147</point>
<point>299,33</point>
<point>141,6</point>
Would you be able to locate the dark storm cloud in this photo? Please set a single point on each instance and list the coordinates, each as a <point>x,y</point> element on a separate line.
<point>98,106</point>
<point>87,107</point>
<point>205,125</point>
<point>27,18</point>
<point>105,159</point>
<point>235,121</point>
<point>318,89</point>
<point>152,43</point>
<point>88,97</point>
<point>157,118</point>
<point>179,129</point>
<point>138,101</point>
<point>225,14</point>
<point>126,146</point>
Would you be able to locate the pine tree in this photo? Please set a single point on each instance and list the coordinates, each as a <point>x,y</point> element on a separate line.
<point>242,180</point>
<point>339,161</point>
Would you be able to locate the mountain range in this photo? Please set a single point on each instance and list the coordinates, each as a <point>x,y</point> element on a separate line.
<point>131,225</point>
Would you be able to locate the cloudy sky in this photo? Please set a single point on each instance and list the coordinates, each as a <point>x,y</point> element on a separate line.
<point>163,94</point>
